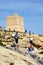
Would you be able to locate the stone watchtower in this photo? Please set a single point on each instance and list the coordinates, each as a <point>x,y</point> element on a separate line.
<point>15,22</point>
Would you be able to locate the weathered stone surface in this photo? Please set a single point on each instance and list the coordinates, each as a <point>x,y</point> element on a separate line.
<point>7,56</point>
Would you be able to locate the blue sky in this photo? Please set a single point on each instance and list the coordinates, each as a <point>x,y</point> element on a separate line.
<point>31,10</point>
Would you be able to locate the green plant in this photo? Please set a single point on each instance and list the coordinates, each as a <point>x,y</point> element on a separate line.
<point>11,63</point>
<point>42,58</point>
<point>8,43</point>
<point>41,52</point>
<point>4,44</point>
<point>20,38</point>
<point>8,37</point>
<point>1,43</point>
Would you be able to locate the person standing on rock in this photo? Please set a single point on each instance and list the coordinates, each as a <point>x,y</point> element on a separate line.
<point>16,37</point>
<point>31,40</point>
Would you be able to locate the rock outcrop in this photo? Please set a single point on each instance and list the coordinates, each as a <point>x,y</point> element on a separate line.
<point>8,56</point>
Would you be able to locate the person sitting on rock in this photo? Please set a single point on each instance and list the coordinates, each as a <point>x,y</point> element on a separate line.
<point>30,50</point>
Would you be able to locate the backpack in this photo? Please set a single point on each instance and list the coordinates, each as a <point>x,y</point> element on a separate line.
<point>31,49</point>
<point>16,36</point>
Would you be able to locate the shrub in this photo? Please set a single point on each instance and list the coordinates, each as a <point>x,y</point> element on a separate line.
<point>20,38</point>
<point>41,52</point>
<point>8,37</point>
<point>4,44</point>
<point>11,63</point>
<point>8,43</point>
<point>1,43</point>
